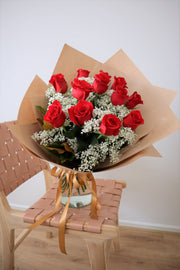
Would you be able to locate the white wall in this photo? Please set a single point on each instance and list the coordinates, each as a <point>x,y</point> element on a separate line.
<point>32,34</point>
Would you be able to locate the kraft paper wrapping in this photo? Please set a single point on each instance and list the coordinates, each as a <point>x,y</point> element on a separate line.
<point>159,119</point>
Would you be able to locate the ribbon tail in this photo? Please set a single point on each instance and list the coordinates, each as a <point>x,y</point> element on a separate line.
<point>95,202</point>
<point>58,201</point>
<point>62,222</point>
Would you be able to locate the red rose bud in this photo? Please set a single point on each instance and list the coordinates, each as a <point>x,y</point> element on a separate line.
<point>119,81</point>
<point>82,73</point>
<point>133,120</point>
<point>103,77</point>
<point>81,112</point>
<point>54,115</point>
<point>59,83</point>
<point>110,125</point>
<point>101,82</point>
<point>100,87</point>
<point>134,100</point>
<point>120,96</point>
<point>81,89</point>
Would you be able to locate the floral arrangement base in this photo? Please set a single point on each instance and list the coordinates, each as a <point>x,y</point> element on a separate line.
<point>77,201</point>
<point>79,197</point>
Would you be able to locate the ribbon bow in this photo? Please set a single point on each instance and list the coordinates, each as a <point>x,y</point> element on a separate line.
<point>76,179</point>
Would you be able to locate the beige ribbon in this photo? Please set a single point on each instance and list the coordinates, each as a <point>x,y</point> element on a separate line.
<point>71,178</point>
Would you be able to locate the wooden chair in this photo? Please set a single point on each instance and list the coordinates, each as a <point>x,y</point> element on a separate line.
<point>16,166</point>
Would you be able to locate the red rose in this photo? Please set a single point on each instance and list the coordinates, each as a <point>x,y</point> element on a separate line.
<point>59,83</point>
<point>81,89</point>
<point>133,120</point>
<point>134,100</point>
<point>119,81</point>
<point>110,125</point>
<point>81,112</point>
<point>101,82</point>
<point>120,96</point>
<point>54,115</point>
<point>100,87</point>
<point>83,73</point>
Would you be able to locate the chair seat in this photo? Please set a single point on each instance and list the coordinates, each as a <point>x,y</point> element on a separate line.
<point>108,191</point>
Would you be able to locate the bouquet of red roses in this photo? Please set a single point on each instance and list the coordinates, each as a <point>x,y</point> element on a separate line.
<point>90,122</point>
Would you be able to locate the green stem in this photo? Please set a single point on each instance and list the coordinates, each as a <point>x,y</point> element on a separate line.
<point>100,136</point>
<point>64,129</point>
<point>82,187</point>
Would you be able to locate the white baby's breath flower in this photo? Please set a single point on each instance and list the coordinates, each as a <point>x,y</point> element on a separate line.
<point>104,100</point>
<point>87,79</point>
<point>50,92</point>
<point>92,156</point>
<point>91,126</point>
<point>47,137</point>
<point>73,144</point>
<point>66,101</point>
<point>128,134</point>
<point>114,156</point>
<point>90,97</point>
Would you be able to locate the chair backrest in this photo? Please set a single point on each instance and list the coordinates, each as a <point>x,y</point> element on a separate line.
<point>17,165</point>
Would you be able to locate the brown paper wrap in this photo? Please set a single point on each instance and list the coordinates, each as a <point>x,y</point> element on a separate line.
<point>159,120</point>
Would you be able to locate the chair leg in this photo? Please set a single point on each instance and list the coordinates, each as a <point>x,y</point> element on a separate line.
<point>116,241</point>
<point>7,235</point>
<point>8,251</point>
<point>98,251</point>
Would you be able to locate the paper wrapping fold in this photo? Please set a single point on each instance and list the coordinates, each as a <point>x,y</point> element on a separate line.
<point>159,119</point>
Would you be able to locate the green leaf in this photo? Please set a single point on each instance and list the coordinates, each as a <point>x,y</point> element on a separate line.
<point>82,187</point>
<point>47,126</point>
<point>55,145</point>
<point>41,109</point>
<point>82,145</point>
<point>66,156</point>
<point>94,102</point>
<point>74,132</point>
<point>85,140</point>
<point>94,139</point>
